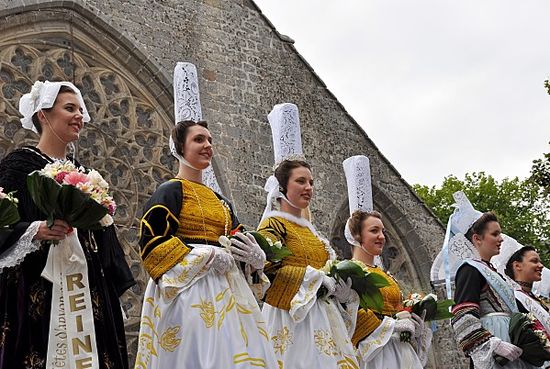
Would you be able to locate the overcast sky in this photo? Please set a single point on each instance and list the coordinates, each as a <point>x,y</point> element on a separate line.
<point>441,87</point>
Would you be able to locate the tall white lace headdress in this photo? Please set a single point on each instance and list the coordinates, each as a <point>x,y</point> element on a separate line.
<point>42,96</point>
<point>456,247</point>
<point>187,106</point>
<point>358,179</point>
<point>287,145</point>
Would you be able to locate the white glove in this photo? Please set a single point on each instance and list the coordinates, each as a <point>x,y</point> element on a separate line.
<point>419,323</point>
<point>404,325</point>
<point>245,248</point>
<point>330,285</point>
<point>508,350</point>
<point>221,261</point>
<point>343,291</point>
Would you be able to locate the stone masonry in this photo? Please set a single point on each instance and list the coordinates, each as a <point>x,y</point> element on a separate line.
<point>122,54</point>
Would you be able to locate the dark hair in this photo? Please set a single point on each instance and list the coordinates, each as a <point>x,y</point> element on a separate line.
<point>517,256</point>
<point>356,221</point>
<point>36,121</point>
<point>284,170</point>
<point>480,225</point>
<point>179,133</point>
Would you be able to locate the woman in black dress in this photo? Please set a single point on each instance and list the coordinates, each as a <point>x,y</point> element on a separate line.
<point>56,111</point>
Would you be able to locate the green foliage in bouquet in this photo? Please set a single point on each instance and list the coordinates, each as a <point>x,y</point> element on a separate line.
<point>62,201</point>
<point>8,209</point>
<point>435,309</point>
<point>367,285</point>
<point>274,251</point>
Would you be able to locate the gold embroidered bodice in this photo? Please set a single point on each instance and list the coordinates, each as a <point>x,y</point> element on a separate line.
<point>306,248</point>
<point>393,298</point>
<point>367,320</point>
<point>203,215</point>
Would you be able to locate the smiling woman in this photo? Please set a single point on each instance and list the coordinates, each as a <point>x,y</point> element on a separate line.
<point>57,112</point>
<point>308,328</point>
<point>197,300</point>
<point>525,268</point>
<point>484,300</point>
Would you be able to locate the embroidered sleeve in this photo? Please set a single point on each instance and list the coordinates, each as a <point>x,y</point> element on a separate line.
<point>161,249</point>
<point>466,322</point>
<point>367,322</point>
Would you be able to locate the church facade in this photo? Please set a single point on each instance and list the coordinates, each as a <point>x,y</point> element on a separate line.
<point>122,54</point>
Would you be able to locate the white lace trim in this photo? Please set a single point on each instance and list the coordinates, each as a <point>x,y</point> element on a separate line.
<point>24,246</point>
<point>304,223</point>
<point>482,355</point>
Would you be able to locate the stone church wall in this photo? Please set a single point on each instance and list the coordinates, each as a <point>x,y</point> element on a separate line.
<point>122,55</point>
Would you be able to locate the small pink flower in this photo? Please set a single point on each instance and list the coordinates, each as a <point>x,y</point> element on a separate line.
<point>75,178</point>
<point>112,208</point>
<point>60,176</point>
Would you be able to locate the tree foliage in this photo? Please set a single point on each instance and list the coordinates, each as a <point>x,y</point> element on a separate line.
<point>540,172</point>
<point>522,206</point>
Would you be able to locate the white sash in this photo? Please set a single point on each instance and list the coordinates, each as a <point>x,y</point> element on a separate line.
<point>534,307</point>
<point>72,341</point>
<point>499,284</point>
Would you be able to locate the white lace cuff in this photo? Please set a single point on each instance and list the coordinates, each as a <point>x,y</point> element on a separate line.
<point>24,246</point>
<point>482,356</point>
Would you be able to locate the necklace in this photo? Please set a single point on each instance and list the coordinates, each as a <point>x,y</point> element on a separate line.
<point>528,285</point>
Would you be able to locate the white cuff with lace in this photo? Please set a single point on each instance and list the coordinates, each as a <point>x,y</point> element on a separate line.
<point>24,246</point>
<point>483,355</point>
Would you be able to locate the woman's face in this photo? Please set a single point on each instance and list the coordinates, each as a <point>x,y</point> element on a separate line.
<point>198,147</point>
<point>300,187</point>
<point>64,120</point>
<point>372,236</point>
<point>529,269</point>
<point>489,242</point>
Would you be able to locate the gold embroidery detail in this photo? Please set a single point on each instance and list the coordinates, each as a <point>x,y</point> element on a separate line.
<point>204,215</point>
<point>325,343</point>
<point>245,358</point>
<point>306,249</point>
<point>282,340</point>
<point>164,256</point>
<point>208,313</point>
<point>244,335</point>
<point>169,341</point>
<point>263,332</point>
<point>4,333</point>
<point>347,363</point>
<point>241,309</point>
<point>208,309</point>
<point>378,340</point>
<point>367,322</point>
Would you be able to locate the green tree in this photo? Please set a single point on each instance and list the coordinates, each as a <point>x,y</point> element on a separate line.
<point>522,206</point>
<point>540,172</point>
